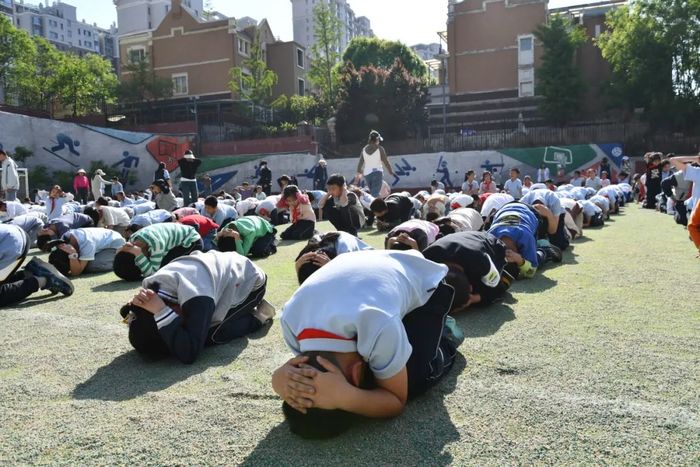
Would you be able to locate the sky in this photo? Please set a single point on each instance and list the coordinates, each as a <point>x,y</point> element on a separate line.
<point>409,21</point>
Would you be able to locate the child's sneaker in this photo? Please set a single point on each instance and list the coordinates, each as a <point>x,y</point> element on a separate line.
<point>452,333</point>
<point>55,281</point>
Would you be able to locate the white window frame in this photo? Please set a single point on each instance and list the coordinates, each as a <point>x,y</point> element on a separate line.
<point>243,47</point>
<point>134,49</point>
<point>300,52</point>
<point>175,76</point>
<point>527,57</point>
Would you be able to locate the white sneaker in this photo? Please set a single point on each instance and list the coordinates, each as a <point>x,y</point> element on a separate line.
<point>264,312</point>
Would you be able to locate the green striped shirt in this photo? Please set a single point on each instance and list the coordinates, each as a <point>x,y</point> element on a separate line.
<point>161,238</point>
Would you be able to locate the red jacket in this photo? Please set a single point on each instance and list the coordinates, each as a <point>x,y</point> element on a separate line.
<point>81,181</point>
<point>204,225</point>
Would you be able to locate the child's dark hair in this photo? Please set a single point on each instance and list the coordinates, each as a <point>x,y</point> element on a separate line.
<point>431,216</point>
<point>133,228</point>
<point>446,227</point>
<point>94,215</point>
<point>434,183</point>
<point>516,170</point>
<point>211,201</point>
<point>284,178</point>
<point>143,332</point>
<point>42,241</point>
<point>226,244</point>
<point>378,205</point>
<point>59,258</point>
<point>125,267</point>
<point>290,191</point>
<point>460,283</point>
<point>322,423</point>
<point>336,180</point>
<point>102,201</point>
<point>320,244</point>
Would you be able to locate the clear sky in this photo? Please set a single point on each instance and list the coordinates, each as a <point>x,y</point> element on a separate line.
<point>410,21</point>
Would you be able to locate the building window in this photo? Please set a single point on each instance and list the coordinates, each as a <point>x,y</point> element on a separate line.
<point>300,58</point>
<point>301,85</point>
<point>243,47</point>
<point>70,33</point>
<point>526,50</point>
<point>598,30</point>
<point>80,43</point>
<point>53,35</point>
<point>137,54</point>
<point>526,81</point>
<point>180,84</point>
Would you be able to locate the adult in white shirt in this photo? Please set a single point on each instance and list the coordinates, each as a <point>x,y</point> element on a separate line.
<point>10,176</point>
<point>543,173</point>
<point>396,333</point>
<point>97,184</point>
<point>691,173</point>
<point>372,161</point>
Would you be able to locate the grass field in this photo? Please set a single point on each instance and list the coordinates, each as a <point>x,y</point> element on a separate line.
<point>596,361</point>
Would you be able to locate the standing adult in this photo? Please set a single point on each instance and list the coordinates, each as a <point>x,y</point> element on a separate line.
<point>543,174</point>
<point>162,173</point>
<point>188,177</point>
<point>10,177</point>
<point>81,186</point>
<point>372,161</point>
<point>98,184</point>
<point>265,180</point>
<point>320,175</point>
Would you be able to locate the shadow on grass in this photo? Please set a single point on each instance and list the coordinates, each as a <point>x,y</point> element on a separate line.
<point>581,240</point>
<point>132,375</point>
<point>482,322</point>
<point>539,283</point>
<point>569,256</point>
<point>416,437</point>
<point>117,286</point>
<point>36,300</point>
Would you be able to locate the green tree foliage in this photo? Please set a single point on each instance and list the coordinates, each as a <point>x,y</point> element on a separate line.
<point>17,52</point>
<point>391,100</point>
<point>87,83</point>
<point>142,84</point>
<point>652,47</point>
<point>366,51</point>
<point>559,79</point>
<point>254,80</point>
<point>325,54</point>
<point>45,85</point>
<point>296,109</point>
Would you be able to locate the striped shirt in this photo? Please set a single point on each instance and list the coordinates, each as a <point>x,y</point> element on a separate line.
<point>161,238</point>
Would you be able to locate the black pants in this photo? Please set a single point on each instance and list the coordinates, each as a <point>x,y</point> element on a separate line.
<point>432,356</point>
<point>279,217</point>
<point>559,239</point>
<point>345,219</point>
<point>16,288</point>
<point>239,321</point>
<point>369,218</point>
<point>264,246</point>
<point>82,195</point>
<point>266,188</point>
<point>597,220</point>
<point>681,215</point>
<point>181,251</point>
<point>300,230</point>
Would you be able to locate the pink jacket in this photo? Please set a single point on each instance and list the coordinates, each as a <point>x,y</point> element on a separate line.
<point>81,181</point>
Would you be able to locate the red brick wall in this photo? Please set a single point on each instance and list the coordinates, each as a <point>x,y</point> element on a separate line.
<point>260,146</point>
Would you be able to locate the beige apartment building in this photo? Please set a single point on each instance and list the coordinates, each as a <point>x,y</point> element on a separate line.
<point>198,56</point>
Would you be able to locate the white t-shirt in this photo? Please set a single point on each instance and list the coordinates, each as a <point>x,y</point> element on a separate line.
<point>266,206</point>
<point>514,187</point>
<point>470,187</point>
<point>243,206</point>
<point>598,199</point>
<point>692,174</point>
<point>546,197</point>
<point>590,208</point>
<point>92,240</point>
<point>347,243</point>
<point>468,219</point>
<point>495,202</point>
<point>141,208</point>
<point>114,216</point>
<point>358,304</point>
<point>431,230</point>
<point>156,216</point>
<point>15,208</point>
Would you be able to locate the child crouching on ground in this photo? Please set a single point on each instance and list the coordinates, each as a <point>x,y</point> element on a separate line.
<point>301,213</point>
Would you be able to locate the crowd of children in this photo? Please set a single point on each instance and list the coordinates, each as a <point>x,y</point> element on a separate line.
<point>444,252</point>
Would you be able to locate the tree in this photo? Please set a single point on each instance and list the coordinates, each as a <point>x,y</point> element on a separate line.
<point>559,79</point>
<point>392,101</point>
<point>87,83</point>
<point>17,55</point>
<point>325,53</point>
<point>652,47</point>
<point>365,51</point>
<point>45,87</point>
<point>143,84</point>
<point>296,109</point>
<point>254,80</point>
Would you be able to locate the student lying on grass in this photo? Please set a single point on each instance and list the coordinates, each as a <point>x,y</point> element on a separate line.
<point>156,216</point>
<point>413,234</point>
<point>392,211</point>
<point>552,213</point>
<point>197,300</point>
<point>153,247</point>
<point>87,250</point>
<point>371,355</point>
<point>460,220</point>
<point>322,248</point>
<point>479,260</point>
<point>16,283</point>
<point>56,228</point>
<point>516,225</point>
<point>248,236</point>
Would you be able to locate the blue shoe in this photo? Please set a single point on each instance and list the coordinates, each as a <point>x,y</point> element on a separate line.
<point>55,281</point>
<point>452,333</point>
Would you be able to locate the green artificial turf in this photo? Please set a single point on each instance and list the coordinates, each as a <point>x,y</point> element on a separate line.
<point>595,361</point>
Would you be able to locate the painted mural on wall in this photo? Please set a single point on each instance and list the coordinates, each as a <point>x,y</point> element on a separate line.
<point>418,170</point>
<point>62,146</point>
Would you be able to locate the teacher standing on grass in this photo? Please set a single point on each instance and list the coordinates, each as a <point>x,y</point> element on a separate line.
<point>372,162</point>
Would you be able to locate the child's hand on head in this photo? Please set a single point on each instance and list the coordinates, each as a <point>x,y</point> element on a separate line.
<point>513,257</point>
<point>149,301</point>
<point>329,387</point>
<point>293,382</point>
